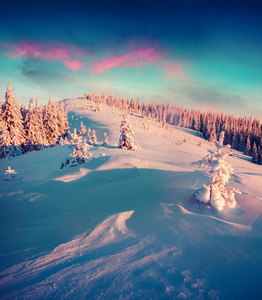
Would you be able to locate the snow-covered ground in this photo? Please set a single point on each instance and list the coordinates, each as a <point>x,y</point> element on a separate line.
<point>125,225</point>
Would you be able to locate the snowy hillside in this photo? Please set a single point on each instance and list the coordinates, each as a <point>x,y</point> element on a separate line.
<point>125,224</point>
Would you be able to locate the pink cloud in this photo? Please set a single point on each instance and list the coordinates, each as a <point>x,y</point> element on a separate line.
<point>73,65</point>
<point>139,57</point>
<point>65,54</point>
<point>72,58</point>
<point>174,69</point>
<point>133,58</point>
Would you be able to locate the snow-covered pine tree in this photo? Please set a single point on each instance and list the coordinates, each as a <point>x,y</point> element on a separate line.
<point>94,138</point>
<point>51,122</point>
<point>5,142</point>
<point>105,141</point>
<point>62,119</point>
<point>259,160</point>
<point>41,138</point>
<point>90,141</point>
<point>5,138</point>
<point>126,141</point>
<point>82,129</point>
<point>23,110</point>
<point>247,149</point>
<point>31,127</point>
<point>242,143</point>
<point>216,194</point>
<point>13,124</point>
<point>254,154</point>
<point>212,137</point>
<point>77,139</point>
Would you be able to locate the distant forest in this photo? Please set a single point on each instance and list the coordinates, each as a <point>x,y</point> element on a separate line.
<point>243,133</point>
<point>23,130</point>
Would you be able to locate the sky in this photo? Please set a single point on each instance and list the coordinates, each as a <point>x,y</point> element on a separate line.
<point>200,54</point>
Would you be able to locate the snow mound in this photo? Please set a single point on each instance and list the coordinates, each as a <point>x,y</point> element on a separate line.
<point>112,230</point>
<point>73,176</point>
<point>239,226</point>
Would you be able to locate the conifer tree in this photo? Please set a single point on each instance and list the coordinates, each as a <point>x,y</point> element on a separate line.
<point>212,137</point>
<point>5,142</point>
<point>259,160</point>
<point>51,122</point>
<point>94,138</point>
<point>216,194</point>
<point>31,127</point>
<point>82,128</point>
<point>248,147</point>
<point>41,137</point>
<point>62,119</point>
<point>105,141</point>
<point>13,120</point>
<point>254,154</point>
<point>126,141</point>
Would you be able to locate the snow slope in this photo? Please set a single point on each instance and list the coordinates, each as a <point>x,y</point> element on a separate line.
<point>124,225</point>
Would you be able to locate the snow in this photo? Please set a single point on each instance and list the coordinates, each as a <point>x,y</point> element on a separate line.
<point>124,224</point>
<point>73,176</point>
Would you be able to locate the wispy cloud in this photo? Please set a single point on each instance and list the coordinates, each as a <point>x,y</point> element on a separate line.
<point>134,58</point>
<point>69,56</point>
<point>173,69</point>
<point>138,58</point>
<point>74,58</point>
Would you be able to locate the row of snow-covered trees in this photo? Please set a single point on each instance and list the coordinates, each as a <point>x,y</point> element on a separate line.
<point>243,134</point>
<point>29,129</point>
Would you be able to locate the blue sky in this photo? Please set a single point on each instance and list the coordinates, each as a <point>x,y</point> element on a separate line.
<point>200,54</point>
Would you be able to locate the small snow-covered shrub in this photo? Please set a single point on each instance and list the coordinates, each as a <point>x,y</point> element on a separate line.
<point>82,128</point>
<point>79,156</point>
<point>216,194</point>
<point>10,174</point>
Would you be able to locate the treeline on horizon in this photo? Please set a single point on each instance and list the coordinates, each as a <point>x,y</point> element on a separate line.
<point>34,128</point>
<point>243,133</point>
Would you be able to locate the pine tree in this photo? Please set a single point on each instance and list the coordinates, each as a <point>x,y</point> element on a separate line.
<point>126,141</point>
<point>30,126</point>
<point>13,121</point>
<point>212,137</point>
<point>5,142</point>
<point>41,137</point>
<point>82,129</point>
<point>248,147</point>
<point>105,141</point>
<point>62,119</point>
<point>242,143</point>
<point>216,194</point>
<point>259,151</point>
<point>94,138</point>
<point>254,154</point>
<point>51,122</point>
